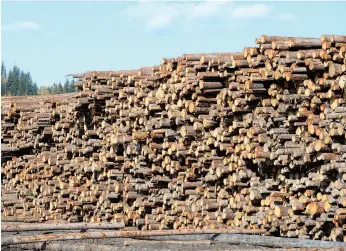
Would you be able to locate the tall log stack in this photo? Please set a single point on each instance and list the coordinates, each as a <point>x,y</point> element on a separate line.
<point>203,141</point>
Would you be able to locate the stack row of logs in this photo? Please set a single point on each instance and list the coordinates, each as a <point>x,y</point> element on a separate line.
<point>25,119</point>
<point>204,141</point>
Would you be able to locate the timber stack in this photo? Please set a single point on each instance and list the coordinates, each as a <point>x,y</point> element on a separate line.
<point>204,141</point>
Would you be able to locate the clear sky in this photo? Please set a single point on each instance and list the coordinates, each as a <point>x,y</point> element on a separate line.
<point>52,39</point>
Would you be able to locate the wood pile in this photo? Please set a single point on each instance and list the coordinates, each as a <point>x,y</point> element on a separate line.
<point>204,141</point>
<point>26,119</point>
<point>31,102</point>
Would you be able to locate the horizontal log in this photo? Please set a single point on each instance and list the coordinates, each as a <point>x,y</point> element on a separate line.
<point>116,234</point>
<point>59,226</point>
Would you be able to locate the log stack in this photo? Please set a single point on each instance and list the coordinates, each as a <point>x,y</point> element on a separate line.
<point>204,141</point>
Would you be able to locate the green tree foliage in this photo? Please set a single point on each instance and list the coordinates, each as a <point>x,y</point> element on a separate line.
<point>13,81</point>
<point>34,88</point>
<point>22,86</point>
<point>72,88</point>
<point>3,70</point>
<point>31,89</point>
<point>60,88</point>
<point>54,89</point>
<point>3,79</point>
<point>16,82</point>
<point>67,86</point>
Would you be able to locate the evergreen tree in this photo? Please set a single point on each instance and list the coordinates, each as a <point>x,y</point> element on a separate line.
<point>60,88</point>
<point>72,88</point>
<point>3,79</point>
<point>13,81</point>
<point>29,85</point>
<point>3,86</point>
<point>10,80</point>
<point>16,82</point>
<point>3,70</point>
<point>54,88</point>
<point>66,86</point>
<point>34,88</point>
<point>22,86</point>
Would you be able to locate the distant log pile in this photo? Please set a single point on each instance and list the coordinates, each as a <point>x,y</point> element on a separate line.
<point>27,119</point>
<point>204,141</point>
<point>31,102</point>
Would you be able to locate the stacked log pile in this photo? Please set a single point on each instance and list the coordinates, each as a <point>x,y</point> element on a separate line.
<point>27,119</point>
<point>204,141</point>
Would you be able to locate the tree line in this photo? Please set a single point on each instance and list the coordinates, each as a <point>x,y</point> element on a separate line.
<point>16,82</point>
<point>59,88</point>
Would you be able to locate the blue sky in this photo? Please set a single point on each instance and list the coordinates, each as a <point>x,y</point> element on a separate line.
<point>52,39</point>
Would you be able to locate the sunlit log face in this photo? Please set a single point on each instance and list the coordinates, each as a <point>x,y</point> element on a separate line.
<point>254,140</point>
